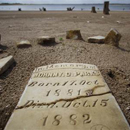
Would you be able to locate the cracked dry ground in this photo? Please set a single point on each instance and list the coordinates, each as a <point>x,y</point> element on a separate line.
<point>114,63</point>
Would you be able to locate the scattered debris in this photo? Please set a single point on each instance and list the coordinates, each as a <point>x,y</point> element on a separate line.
<point>74,34</point>
<point>70,9</point>
<point>23,44</point>
<point>46,40</point>
<point>113,37</point>
<point>96,39</point>
<point>5,63</point>
<point>118,22</point>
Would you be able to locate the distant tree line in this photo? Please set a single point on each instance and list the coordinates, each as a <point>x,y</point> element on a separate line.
<point>10,4</point>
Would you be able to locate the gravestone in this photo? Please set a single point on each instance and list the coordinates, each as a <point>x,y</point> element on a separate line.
<point>113,37</point>
<point>93,10</point>
<point>106,8</point>
<point>96,39</point>
<point>5,63</point>
<point>74,35</point>
<point>46,40</point>
<point>67,96</point>
<point>23,44</point>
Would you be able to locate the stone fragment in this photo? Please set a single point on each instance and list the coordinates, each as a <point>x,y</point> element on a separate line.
<point>70,96</point>
<point>96,39</point>
<point>5,63</point>
<point>106,8</point>
<point>23,44</point>
<point>74,34</point>
<point>93,10</point>
<point>113,37</point>
<point>46,40</point>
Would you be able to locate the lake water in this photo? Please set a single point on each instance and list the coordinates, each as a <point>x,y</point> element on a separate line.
<point>63,7</point>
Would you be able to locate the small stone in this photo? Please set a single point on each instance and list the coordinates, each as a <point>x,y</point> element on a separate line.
<point>88,21</point>
<point>96,39</point>
<point>74,34</point>
<point>102,17</point>
<point>46,40</point>
<point>23,44</point>
<point>5,63</point>
<point>128,108</point>
<point>113,37</point>
<point>118,22</point>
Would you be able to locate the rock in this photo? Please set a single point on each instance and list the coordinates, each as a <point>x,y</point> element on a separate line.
<point>74,34</point>
<point>113,37</point>
<point>118,22</point>
<point>46,40</point>
<point>102,17</point>
<point>5,63</point>
<point>96,39</point>
<point>88,21</point>
<point>23,44</point>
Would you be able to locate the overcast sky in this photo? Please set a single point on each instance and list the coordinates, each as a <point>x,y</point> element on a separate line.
<point>63,1</point>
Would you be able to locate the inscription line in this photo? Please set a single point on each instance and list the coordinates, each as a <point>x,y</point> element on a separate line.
<point>72,99</point>
<point>66,68</point>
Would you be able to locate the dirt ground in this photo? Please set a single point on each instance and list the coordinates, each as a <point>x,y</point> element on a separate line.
<point>113,62</point>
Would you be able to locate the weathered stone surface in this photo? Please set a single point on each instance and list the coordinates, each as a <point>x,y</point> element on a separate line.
<point>74,34</point>
<point>45,40</point>
<point>96,39</point>
<point>23,43</point>
<point>5,63</point>
<point>67,96</point>
<point>113,37</point>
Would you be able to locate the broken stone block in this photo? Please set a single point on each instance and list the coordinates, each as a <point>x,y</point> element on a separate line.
<point>5,63</point>
<point>74,34</point>
<point>23,44</point>
<point>96,39</point>
<point>46,40</point>
<point>113,37</point>
<point>67,96</point>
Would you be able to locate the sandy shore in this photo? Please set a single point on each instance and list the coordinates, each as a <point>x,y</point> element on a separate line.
<point>114,63</point>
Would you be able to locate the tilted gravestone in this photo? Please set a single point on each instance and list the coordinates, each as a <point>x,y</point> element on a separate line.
<point>67,96</point>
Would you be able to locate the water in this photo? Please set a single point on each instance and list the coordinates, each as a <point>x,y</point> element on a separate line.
<point>59,7</point>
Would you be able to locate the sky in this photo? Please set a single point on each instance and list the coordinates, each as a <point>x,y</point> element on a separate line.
<point>62,1</point>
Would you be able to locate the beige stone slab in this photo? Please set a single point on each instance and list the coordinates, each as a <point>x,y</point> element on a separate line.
<point>67,96</point>
<point>64,83</point>
<point>92,113</point>
<point>96,39</point>
<point>23,43</point>
<point>5,63</point>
